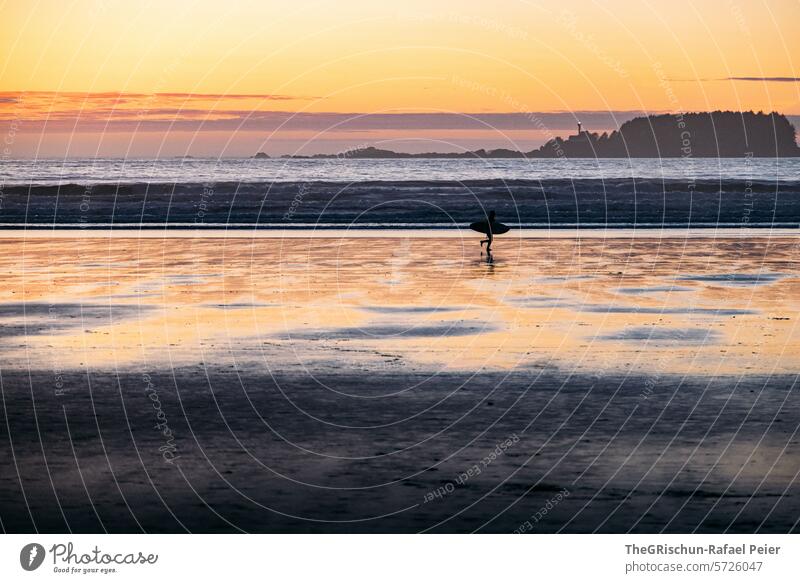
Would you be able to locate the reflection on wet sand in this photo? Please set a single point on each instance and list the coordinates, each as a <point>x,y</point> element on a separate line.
<point>332,384</point>
<point>699,306</point>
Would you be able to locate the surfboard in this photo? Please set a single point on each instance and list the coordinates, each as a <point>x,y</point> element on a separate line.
<point>496,228</point>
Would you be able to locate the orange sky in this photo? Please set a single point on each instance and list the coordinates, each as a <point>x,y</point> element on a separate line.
<point>113,78</point>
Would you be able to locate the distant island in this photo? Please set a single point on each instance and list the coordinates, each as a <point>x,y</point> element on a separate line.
<point>717,134</point>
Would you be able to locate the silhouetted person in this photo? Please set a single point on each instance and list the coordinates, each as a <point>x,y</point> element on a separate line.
<point>489,235</point>
<point>490,228</point>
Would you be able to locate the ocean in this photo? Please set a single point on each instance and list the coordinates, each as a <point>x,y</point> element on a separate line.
<point>418,193</point>
<point>318,346</point>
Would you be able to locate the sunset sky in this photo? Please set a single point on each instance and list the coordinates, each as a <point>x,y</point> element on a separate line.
<point>119,78</point>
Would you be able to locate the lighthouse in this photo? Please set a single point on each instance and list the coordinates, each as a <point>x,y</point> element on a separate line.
<point>579,128</point>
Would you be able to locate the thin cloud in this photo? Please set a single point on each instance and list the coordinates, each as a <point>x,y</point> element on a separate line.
<point>37,107</point>
<point>119,111</point>
<point>767,79</point>
<point>201,119</point>
<point>126,95</point>
<point>760,79</point>
<point>236,96</point>
<point>49,104</point>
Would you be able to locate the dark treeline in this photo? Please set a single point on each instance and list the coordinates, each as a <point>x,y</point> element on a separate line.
<point>717,134</point>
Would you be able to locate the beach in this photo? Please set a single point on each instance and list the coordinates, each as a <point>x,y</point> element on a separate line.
<point>370,268</point>
<point>611,381</point>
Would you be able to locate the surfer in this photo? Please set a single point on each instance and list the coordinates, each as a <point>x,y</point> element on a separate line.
<point>489,235</point>
<point>489,228</point>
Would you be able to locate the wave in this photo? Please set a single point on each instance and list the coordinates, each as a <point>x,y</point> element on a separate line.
<point>426,203</point>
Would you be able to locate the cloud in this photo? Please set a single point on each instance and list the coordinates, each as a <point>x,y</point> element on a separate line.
<point>233,96</point>
<point>116,111</point>
<point>110,106</point>
<point>766,79</point>
<point>760,79</point>
<point>123,95</point>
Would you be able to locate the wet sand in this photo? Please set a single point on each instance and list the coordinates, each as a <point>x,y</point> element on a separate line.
<point>399,384</point>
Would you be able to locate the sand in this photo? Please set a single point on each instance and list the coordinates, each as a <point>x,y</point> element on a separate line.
<point>403,384</point>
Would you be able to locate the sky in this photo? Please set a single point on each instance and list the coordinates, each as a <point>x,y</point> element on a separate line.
<point>203,78</point>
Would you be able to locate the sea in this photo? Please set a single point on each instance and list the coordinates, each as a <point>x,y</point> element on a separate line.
<point>248,193</point>
<point>349,379</point>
